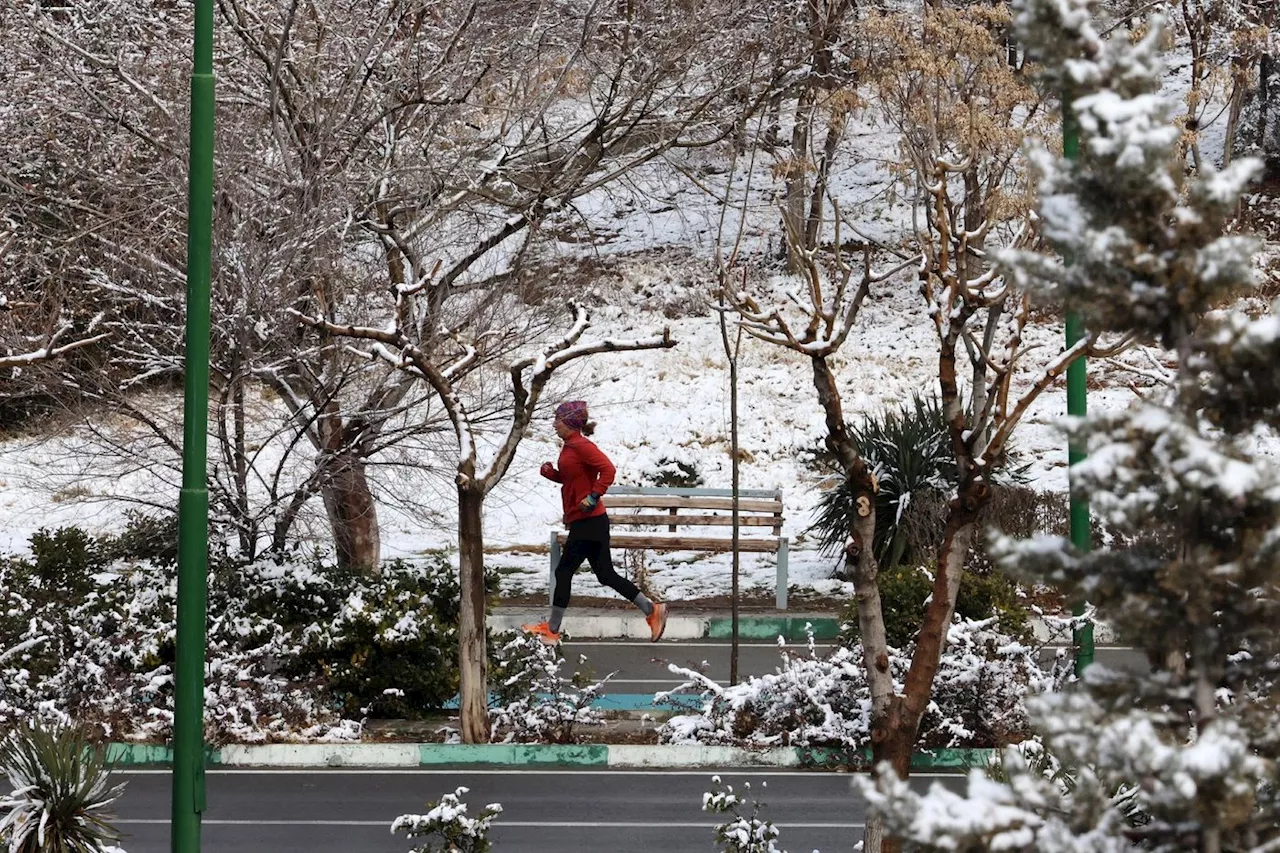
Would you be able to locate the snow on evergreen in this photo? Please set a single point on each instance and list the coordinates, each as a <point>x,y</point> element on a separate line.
<point>1181,758</point>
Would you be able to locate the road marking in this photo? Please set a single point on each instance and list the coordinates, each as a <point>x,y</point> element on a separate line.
<point>436,771</point>
<point>498,824</point>
<point>682,644</point>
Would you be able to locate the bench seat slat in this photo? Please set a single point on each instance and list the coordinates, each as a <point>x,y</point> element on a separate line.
<point>691,520</point>
<point>679,502</point>
<point>680,542</point>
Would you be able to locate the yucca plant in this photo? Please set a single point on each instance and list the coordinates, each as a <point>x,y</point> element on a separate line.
<point>907,449</point>
<point>61,792</point>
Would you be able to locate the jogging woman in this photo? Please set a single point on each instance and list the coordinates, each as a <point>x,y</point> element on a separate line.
<point>585,474</point>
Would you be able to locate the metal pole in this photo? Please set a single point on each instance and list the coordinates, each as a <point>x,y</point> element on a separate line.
<point>193,500</point>
<point>1077,406</point>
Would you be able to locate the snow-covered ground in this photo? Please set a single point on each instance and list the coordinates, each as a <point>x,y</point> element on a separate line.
<point>652,406</point>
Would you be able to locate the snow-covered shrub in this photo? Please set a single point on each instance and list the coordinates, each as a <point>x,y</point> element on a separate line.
<point>745,831</point>
<point>534,702</point>
<point>59,792</point>
<point>390,650</point>
<point>810,700</point>
<point>905,589</point>
<point>447,828</point>
<point>673,472</point>
<point>295,649</point>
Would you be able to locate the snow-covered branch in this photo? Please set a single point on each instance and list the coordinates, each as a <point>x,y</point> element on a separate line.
<point>53,347</point>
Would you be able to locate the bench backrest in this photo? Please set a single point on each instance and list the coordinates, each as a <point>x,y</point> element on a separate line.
<point>686,507</point>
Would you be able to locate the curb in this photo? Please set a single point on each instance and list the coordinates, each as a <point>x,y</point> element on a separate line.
<point>626,625</point>
<point>793,628</point>
<point>405,755</point>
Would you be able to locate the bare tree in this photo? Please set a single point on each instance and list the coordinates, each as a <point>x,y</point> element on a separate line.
<point>963,114</point>
<point>815,320</point>
<point>352,138</point>
<point>824,96</point>
<point>449,367</point>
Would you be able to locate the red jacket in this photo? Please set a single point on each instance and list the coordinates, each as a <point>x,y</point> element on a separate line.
<point>583,469</point>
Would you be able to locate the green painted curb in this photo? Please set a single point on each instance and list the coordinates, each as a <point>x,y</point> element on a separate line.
<point>937,759</point>
<point>130,754</point>
<point>952,759</point>
<point>772,627</point>
<point>577,755</point>
<point>573,755</point>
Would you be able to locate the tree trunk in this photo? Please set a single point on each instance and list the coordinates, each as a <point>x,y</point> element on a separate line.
<point>894,733</point>
<point>1236,103</point>
<point>1265,65</point>
<point>472,657</point>
<point>353,514</point>
<point>248,528</point>
<point>735,467</point>
<point>797,181</point>
<point>895,748</point>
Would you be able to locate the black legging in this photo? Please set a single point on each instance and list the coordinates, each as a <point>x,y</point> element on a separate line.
<point>589,540</point>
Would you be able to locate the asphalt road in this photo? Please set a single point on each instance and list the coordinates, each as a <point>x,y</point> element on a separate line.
<point>569,811</point>
<point>642,667</point>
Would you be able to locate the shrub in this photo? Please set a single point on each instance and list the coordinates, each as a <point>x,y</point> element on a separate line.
<point>447,827</point>
<point>671,473</point>
<point>295,648</point>
<point>152,538</point>
<point>390,649</point>
<point>62,564</point>
<point>59,792</point>
<point>534,702</point>
<point>745,832</point>
<point>907,448</point>
<point>824,701</point>
<point>905,589</point>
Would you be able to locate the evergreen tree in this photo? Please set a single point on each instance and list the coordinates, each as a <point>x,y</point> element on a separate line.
<point>1183,758</point>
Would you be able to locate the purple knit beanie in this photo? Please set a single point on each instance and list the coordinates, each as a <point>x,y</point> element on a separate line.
<point>572,414</point>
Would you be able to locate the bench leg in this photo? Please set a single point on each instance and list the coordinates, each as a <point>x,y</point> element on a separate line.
<point>555,561</point>
<point>782,574</point>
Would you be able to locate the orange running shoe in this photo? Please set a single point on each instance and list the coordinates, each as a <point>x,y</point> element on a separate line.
<point>543,632</point>
<point>657,621</point>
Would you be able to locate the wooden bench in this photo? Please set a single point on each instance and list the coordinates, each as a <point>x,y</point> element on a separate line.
<point>632,509</point>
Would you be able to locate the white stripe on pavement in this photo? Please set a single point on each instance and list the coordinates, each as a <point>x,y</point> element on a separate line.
<point>684,644</point>
<point>455,771</point>
<point>551,824</point>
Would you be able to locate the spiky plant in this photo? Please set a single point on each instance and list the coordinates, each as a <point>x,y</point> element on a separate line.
<point>60,792</point>
<point>907,449</point>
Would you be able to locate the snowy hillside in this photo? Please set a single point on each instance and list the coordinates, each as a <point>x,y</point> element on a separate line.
<point>655,238</point>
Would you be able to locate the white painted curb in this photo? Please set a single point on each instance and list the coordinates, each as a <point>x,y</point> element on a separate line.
<point>673,756</point>
<point>595,626</point>
<point>322,755</point>
<point>630,626</point>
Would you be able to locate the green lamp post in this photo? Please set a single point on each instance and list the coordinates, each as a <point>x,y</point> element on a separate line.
<point>193,500</point>
<point>1077,406</point>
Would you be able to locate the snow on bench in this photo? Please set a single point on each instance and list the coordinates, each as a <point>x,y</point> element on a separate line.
<point>708,511</point>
